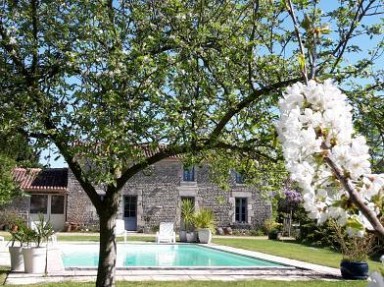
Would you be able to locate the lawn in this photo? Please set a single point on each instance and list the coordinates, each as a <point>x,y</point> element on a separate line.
<point>289,249</point>
<point>3,274</point>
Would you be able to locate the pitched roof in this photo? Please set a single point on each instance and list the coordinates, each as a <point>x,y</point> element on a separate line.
<point>147,150</point>
<point>151,151</point>
<point>42,180</point>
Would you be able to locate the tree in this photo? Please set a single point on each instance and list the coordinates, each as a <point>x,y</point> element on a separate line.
<point>106,81</point>
<point>15,151</point>
<point>8,188</point>
<point>17,147</point>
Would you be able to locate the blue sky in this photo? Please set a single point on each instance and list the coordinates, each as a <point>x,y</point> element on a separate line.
<point>51,162</point>
<point>325,5</point>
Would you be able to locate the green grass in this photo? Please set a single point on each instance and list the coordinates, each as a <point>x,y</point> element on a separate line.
<point>3,274</point>
<point>292,250</point>
<point>258,283</point>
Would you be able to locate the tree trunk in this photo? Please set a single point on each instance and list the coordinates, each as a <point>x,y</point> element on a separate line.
<point>107,252</point>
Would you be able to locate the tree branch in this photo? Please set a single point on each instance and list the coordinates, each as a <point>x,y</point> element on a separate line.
<point>244,103</point>
<point>244,149</point>
<point>162,154</point>
<point>291,12</point>
<point>35,38</point>
<point>75,167</point>
<point>343,44</point>
<point>355,197</point>
<point>11,49</point>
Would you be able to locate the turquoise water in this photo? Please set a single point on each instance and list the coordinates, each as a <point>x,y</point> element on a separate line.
<point>153,255</point>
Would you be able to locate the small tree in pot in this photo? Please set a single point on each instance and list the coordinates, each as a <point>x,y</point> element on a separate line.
<point>205,224</point>
<point>187,224</point>
<point>35,257</point>
<point>355,248</point>
<point>18,233</point>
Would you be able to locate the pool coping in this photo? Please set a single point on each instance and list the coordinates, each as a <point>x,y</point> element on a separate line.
<point>301,271</point>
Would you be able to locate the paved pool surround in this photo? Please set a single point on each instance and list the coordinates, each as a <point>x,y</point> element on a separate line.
<point>294,270</point>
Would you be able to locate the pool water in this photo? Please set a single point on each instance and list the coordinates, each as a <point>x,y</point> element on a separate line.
<point>154,255</point>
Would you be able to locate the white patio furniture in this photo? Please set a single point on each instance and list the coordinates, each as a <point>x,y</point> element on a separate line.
<point>166,233</point>
<point>2,242</point>
<point>120,229</point>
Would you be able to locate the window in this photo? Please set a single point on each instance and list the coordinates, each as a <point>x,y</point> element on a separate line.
<point>39,204</point>
<point>130,204</point>
<point>189,174</point>
<point>57,204</point>
<point>239,177</point>
<point>241,209</point>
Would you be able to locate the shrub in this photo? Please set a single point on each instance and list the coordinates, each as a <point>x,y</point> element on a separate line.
<point>204,219</point>
<point>9,218</point>
<point>354,248</point>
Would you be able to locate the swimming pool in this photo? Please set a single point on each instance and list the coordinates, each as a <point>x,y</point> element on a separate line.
<point>155,255</point>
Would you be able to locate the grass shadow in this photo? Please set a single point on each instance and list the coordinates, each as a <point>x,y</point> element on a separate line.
<point>4,270</point>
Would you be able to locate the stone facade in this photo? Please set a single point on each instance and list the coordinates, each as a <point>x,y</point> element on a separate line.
<point>79,207</point>
<point>156,196</point>
<point>151,197</point>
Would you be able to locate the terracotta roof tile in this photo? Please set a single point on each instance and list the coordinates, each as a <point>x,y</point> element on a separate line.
<point>42,180</point>
<point>146,149</point>
<point>150,151</point>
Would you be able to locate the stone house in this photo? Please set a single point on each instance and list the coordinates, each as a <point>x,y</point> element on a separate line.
<point>46,192</point>
<point>149,198</point>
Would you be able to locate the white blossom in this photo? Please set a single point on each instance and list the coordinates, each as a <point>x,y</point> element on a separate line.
<point>315,120</point>
<point>12,41</point>
<point>352,232</point>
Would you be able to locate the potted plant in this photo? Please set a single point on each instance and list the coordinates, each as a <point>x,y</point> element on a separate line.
<point>272,229</point>
<point>18,233</point>
<point>35,257</point>
<point>355,249</point>
<point>204,222</point>
<point>187,233</point>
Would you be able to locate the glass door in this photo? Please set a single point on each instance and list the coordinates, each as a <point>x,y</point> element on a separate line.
<point>52,206</point>
<point>130,212</point>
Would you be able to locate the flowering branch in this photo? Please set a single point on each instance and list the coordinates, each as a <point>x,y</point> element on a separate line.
<point>291,12</point>
<point>327,158</point>
<point>356,198</point>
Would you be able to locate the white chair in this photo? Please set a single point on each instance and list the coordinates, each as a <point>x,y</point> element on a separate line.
<point>2,242</point>
<point>166,233</point>
<point>120,229</point>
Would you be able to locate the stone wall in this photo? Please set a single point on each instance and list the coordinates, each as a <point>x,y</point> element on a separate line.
<point>79,207</point>
<point>18,207</point>
<point>159,190</point>
<point>157,193</point>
